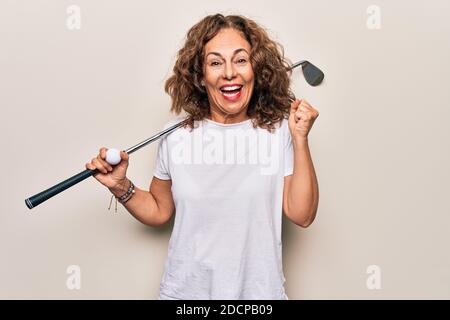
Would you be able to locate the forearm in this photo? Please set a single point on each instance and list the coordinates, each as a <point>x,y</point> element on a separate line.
<point>142,205</point>
<point>303,197</point>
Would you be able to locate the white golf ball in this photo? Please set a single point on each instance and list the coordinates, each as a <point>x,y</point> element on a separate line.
<point>113,156</point>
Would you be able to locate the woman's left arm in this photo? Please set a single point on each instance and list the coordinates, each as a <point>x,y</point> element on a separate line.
<point>301,191</point>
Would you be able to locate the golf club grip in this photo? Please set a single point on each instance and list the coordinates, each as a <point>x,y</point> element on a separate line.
<point>53,191</point>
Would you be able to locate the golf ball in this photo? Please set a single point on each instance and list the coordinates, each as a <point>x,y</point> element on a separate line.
<point>113,156</point>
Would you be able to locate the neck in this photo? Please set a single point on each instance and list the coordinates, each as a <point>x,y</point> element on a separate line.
<point>228,118</point>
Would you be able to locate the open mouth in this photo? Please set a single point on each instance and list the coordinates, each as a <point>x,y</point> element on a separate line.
<point>231,92</point>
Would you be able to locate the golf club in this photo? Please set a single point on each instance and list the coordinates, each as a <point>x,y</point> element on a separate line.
<point>311,73</point>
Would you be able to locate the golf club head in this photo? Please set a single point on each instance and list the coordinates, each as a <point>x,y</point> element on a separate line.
<point>313,75</point>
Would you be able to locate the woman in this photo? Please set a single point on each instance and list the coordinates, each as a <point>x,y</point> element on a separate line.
<point>239,162</point>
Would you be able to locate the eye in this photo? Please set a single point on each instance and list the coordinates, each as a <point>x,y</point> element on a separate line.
<point>215,63</point>
<point>242,60</point>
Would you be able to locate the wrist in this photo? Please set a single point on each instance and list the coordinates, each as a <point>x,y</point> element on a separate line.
<point>120,188</point>
<point>300,140</point>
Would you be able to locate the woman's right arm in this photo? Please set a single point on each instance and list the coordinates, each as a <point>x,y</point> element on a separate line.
<point>153,207</point>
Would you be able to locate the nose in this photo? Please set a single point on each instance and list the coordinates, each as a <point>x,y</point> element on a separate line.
<point>230,71</point>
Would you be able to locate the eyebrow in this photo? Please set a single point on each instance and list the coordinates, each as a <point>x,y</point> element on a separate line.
<point>234,53</point>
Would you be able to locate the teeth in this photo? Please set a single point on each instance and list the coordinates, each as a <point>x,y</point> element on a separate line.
<point>230,94</point>
<point>231,88</point>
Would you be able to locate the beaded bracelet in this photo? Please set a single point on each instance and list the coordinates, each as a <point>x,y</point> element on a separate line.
<point>123,198</point>
<point>127,195</point>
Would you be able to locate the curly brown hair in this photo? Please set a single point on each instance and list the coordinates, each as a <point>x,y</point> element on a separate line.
<point>271,97</point>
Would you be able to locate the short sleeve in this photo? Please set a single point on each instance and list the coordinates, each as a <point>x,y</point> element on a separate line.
<point>162,165</point>
<point>162,161</point>
<point>288,150</point>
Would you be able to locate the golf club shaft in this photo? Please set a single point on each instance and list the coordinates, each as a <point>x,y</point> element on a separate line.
<point>52,191</point>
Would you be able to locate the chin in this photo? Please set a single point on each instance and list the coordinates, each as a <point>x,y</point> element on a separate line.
<point>233,111</point>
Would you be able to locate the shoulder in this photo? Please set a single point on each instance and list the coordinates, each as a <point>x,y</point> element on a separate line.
<point>284,130</point>
<point>173,121</point>
<point>283,125</point>
<point>174,135</point>
<point>284,122</point>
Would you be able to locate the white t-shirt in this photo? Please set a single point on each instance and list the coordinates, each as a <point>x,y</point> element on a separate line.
<point>227,186</point>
